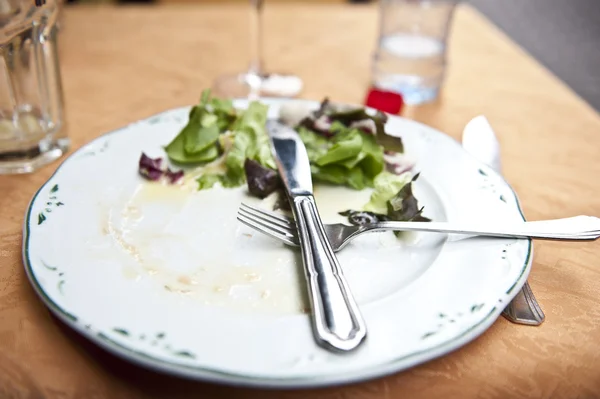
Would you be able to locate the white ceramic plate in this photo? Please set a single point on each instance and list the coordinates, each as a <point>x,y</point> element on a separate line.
<point>166,277</point>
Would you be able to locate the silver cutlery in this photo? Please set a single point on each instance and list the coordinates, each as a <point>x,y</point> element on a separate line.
<point>284,228</point>
<point>480,141</point>
<point>337,321</point>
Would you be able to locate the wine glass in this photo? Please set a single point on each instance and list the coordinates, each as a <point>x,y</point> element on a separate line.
<point>255,82</point>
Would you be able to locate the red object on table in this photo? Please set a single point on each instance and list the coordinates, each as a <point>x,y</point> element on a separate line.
<point>385,101</point>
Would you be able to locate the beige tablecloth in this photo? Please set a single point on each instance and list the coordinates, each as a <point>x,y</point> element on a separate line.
<point>121,64</point>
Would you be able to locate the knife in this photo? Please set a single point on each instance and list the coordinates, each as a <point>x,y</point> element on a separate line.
<point>480,141</point>
<point>337,322</point>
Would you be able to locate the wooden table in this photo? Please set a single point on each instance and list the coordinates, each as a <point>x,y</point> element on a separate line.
<point>124,63</point>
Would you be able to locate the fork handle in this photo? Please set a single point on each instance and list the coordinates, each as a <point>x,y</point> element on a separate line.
<point>574,228</point>
<point>337,321</point>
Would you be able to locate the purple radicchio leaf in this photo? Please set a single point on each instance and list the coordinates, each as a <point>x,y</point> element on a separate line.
<point>404,206</point>
<point>261,181</point>
<point>150,168</point>
<point>173,176</point>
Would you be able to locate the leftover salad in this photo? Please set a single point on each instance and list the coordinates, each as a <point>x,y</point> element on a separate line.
<point>346,146</point>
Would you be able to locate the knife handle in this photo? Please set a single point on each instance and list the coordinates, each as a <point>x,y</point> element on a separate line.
<point>337,321</point>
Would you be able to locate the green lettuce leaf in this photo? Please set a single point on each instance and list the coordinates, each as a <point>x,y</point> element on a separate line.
<point>389,143</point>
<point>242,146</point>
<point>230,180</point>
<point>339,175</point>
<point>354,150</point>
<point>200,133</point>
<point>387,185</point>
<point>356,179</point>
<point>372,162</point>
<point>348,145</point>
<point>176,152</point>
<point>263,154</point>
<point>208,181</point>
<point>334,174</point>
<point>197,141</point>
<point>248,140</point>
<point>224,111</point>
<point>316,145</point>
<point>354,161</point>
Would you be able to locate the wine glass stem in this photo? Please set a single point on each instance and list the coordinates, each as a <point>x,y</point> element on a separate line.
<point>256,32</point>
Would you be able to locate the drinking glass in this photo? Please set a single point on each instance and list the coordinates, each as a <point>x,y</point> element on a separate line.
<point>255,82</point>
<point>410,58</point>
<point>32,129</point>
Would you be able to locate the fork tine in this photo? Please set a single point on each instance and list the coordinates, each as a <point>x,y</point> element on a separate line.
<point>265,228</point>
<point>266,223</point>
<point>274,224</point>
<point>271,217</point>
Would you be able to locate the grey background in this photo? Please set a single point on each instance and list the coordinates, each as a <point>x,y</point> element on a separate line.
<point>564,35</point>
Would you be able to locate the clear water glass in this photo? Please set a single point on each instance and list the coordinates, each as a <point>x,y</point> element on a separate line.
<point>410,58</point>
<point>32,123</point>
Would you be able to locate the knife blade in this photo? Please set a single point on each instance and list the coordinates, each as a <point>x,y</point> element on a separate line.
<point>480,141</point>
<point>337,321</point>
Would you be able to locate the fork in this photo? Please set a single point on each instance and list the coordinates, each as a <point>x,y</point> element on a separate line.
<point>284,228</point>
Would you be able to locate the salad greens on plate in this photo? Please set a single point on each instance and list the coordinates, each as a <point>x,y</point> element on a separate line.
<point>346,146</point>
